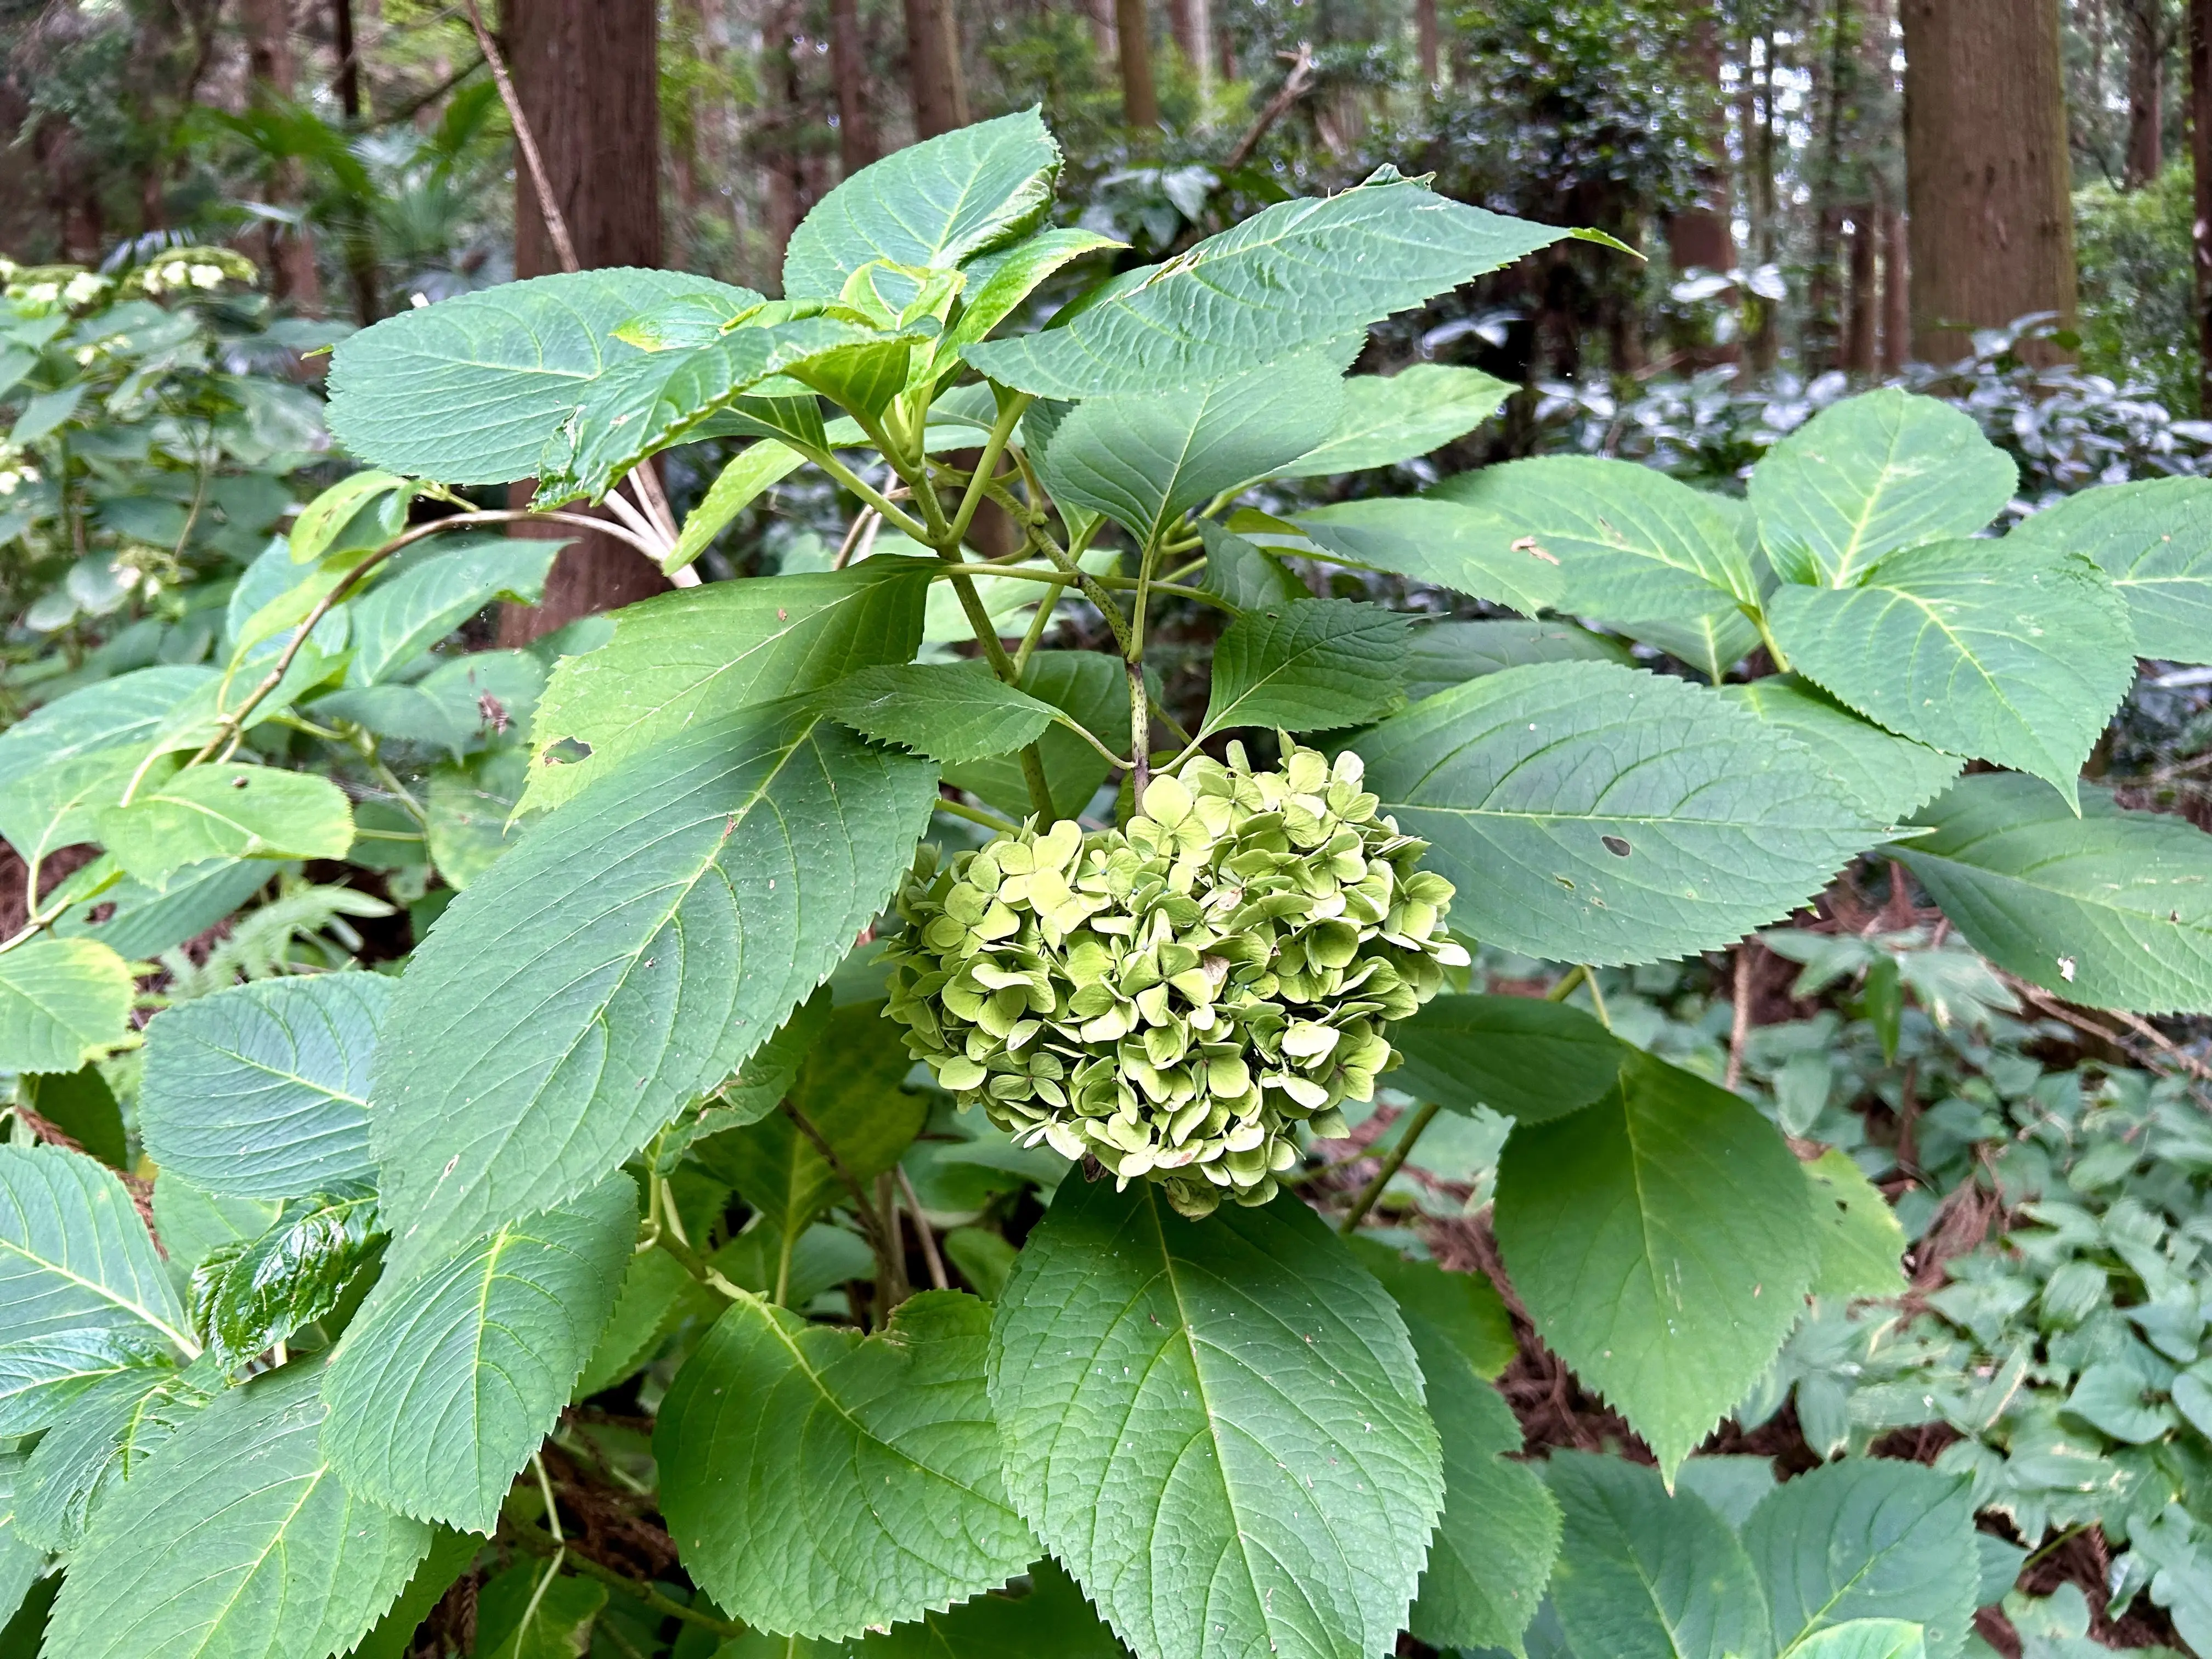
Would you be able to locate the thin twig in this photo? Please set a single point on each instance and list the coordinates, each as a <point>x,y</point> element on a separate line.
<point>861,1202</point>
<point>1739,1020</point>
<point>1393,1161</point>
<point>556,225</point>
<point>922,1231</point>
<point>538,1543</point>
<point>1295,87</point>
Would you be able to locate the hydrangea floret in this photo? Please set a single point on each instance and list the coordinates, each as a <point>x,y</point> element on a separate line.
<point>1173,998</point>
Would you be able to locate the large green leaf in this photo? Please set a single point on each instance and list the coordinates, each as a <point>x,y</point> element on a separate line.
<point>1869,1537</point>
<point>1291,275</point>
<point>625,957</point>
<point>1448,653</point>
<point>81,1291</point>
<point>848,1092</point>
<point>232,811</point>
<point>431,596</point>
<point>1865,1638</point>
<point>1092,689</point>
<point>1644,1575</point>
<point>262,1553</point>
<point>751,474</point>
<point>1663,1241</point>
<point>955,711</point>
<point>998,281</point>
<point>1402,417</point>
<point>1500,1532</point>
<point>61,764</point>
<point>1463,1309</point>
<point>1599,814</point>
<point>1628,541</point>
<point>107,1434</point>
<point>1144,460</point>
<point>819,1482</point>
<point>648,400</point>
<point>317,1257</point>
<point>2153,538</point>
<point>261,1090</point>
<point>446,1383</point>
<point>1435,541</point>
<point>2111,909</point>
<point>1712,643</point>
<point>1888,777</point>
<point>706,652</point>
<point>1871,474</point>
<point>1971,649</point>
<point>1862,1243</point>
<point>1531,1060</point>
<point>63,1002</point>
<point>938,203</point>
<point>1308,665</point>
<point>1216,1426</point>
<point>468,391</point>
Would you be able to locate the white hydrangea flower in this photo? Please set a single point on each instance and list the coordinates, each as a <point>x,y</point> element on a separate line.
<point>84,288</point>
<point>207,275</point>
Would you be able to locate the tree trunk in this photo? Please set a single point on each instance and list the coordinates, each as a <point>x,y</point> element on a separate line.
<point>1987,172</point>
<point>1860,351</point>
<point>587,74</point>
<point>856,127</point>
<point>271,68</point>
<point>1427,42</point>
<point>1191,24</point>
<point>359,239</point>
<point>2146,44</point>
<point>1896,289</point>
<point>1702,237</point>
<point>1141,105</point>
<point>2200,155</point>
<point>1761,144</point>
<point>778,138</point>
<point>933,59</point>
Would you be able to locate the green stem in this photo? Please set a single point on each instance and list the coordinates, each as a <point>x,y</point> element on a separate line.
<point>960,808</point>
<point>1597,998</point>
<point>979,483</point>
<point>1773,650</point>
<point>895,516</point>
<point>538,1543</point>
<point>1039,785</point>
<point>1392,1161</point>
<point>1565,988</point>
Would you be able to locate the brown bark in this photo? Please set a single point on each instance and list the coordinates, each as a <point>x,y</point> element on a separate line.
<point>1702,237</point>
<point>1426,41</point>
<point>933,59</point>
<point>856,127</point>
<point>1140,103</point>
<point>587,73</point>
<point>290,251</point>
<point>1987,170</point>
<point>1191,22</point>
<point>1896,289</point>
<point>2200,155</point>
<point>779,138</point>
<point>2145,21</point>
<point>360,248</point>
<point>1860,352</point>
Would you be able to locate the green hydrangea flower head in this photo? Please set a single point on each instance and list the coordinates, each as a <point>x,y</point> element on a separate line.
<point>1171,998</point>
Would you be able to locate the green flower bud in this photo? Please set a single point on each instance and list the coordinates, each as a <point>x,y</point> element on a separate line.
<point>1172,997</point>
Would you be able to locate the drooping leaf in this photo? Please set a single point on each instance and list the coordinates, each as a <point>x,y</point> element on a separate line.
<point>1871,474</point>
<point>2153,538</point>
<point>1861,1245</point>
<point>1888,776</point>
<point>1644,1575</point>
<point>1593,813</point>
<point>102,1441</point>
<point>1435,541</point>
<point>468,389</point>
<point>630,952</point>
<point>998,281</point>
<point>1240,1397</point>
<point>264,1553</point>
<point>61,764</point>
<point>2111,909</point>
<point>446,1383</point>
<point>1499,1532</point>
<point>465,703</point>
<point>760,1084</point>
<point>819,1482</point>
<point>63,1002</point>
<point>1443,655</point>
<point>193,1224</point>
<point>1240,573</point>
<point>1628,541</point>
<point>471,812</point>
<point>952,712</point>
<point>750,473</point>
<point>1308,665</point>
<point>1712,643</point>
<point>314,1258</point>
<point>1971,650</point>
<point>141,921</point>
<point>380,497</point>
<point>81,1291</point>
<point>657,1293</point>
<point>534,1611</point>
<point>1291,276</point>
<point>1463,1308</point>
<point>232,811</point>
<point>703,653</point>
<point>261,1090</point>
<point>1869,1537</point>
<point>938,203</point>
<point>1093,689</point>
<point>1663,1241</point>
<point>1402,417</point>
<point>1530,1059</point>
<point>81,1106</point>
<point>393,1637</point>
<point>1144,460</point>
<point>848,1092</point>
<point>431,596</point>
